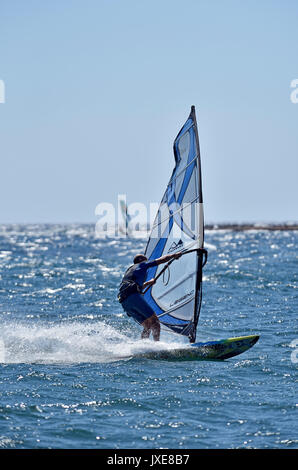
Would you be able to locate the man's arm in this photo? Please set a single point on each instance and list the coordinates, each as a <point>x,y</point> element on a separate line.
<point>149,283</point>
<point>166,258</point>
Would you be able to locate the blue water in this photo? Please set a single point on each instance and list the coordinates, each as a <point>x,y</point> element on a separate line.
<point>69,378</point>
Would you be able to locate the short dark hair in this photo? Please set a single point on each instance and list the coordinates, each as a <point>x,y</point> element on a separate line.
<point>139,258</point>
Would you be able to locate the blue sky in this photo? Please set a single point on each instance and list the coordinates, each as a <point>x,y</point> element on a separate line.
<point>96,91</point>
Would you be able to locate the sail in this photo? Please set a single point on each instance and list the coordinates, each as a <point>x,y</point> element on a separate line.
<point>178,227</point>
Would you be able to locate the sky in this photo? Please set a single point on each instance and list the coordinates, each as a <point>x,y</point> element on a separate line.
<point>97,90</point>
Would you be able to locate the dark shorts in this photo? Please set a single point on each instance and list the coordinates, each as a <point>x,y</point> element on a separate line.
<point>136,307</point>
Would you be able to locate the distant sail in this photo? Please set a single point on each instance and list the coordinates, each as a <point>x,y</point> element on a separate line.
<point>124,226</point>
<point>178,227</point>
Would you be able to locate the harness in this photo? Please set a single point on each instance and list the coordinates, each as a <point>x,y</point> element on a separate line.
<point>128,285</point>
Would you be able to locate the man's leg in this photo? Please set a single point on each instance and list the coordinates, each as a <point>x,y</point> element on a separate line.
<point>146,332</point>
<point>156,329</point>
<point>136,307</point>
<point>151,324</point>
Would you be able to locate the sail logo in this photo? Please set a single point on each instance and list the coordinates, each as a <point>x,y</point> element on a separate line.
<point>186,296</point>
<point>2,91</point>
<point>294,94</point>
<point>175,246</point>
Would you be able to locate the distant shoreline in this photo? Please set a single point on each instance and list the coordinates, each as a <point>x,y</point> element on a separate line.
<point>244,227</point>
<point>237,227</point>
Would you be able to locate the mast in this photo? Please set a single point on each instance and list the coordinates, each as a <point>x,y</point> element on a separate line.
<point>200,234</point>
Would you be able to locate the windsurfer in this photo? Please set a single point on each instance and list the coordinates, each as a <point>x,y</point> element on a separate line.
<point>131,298</point>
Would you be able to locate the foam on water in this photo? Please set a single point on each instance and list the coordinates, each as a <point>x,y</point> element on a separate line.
<point>71,342</point>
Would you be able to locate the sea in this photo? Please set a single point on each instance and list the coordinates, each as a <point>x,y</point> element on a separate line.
<point>70,372</point>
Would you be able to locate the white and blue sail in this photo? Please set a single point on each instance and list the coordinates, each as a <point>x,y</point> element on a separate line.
<point>178,227</point>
